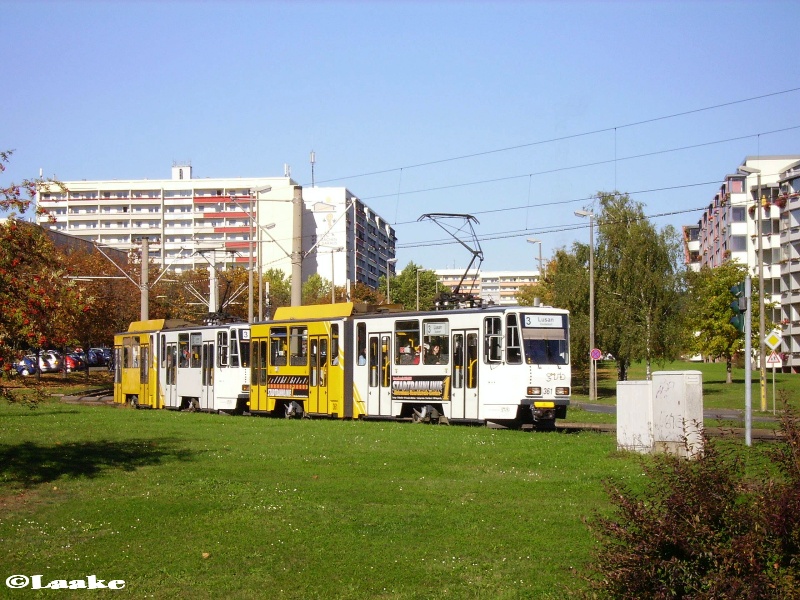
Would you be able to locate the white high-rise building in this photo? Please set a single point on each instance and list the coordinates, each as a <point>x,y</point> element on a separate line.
<point>728,230</point>
<point>225,218</point>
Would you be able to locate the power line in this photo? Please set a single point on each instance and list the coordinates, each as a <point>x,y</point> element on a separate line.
<point>584,165</point>
<point>541,231</point>
<point>567,137</point>
<point>573,200</point>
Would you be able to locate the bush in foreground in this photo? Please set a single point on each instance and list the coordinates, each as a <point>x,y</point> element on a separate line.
<point>703,529</point>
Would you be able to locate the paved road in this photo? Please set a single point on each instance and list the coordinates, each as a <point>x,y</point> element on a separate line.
<point>730,414</point>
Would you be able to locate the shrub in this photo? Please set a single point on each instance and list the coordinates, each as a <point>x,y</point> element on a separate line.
<point>701,529</point>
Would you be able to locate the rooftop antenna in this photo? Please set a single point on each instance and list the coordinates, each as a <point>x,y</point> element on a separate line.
<point>313,160</point>
<point>287,170</point>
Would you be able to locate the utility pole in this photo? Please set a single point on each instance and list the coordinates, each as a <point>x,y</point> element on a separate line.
<point>144,313</point>
<point>297,246</point>
<point>592,362</point>
<point>760,267</point>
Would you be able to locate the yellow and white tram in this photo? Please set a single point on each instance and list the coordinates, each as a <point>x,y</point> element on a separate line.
<point>505,364</point>
<point>174,364</point>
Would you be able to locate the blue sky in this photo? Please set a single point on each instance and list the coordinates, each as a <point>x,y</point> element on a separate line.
<point>514,112</point>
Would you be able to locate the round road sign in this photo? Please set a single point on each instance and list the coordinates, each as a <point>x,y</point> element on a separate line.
<point>596,354</point>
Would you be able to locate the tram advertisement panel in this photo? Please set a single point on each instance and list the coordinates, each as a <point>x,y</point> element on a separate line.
<point>287,385</point>
<point>421,388</point>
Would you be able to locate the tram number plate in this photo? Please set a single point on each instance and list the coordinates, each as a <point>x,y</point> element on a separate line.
<point>547,391</point>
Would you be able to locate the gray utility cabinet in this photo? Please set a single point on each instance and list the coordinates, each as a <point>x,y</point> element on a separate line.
<point>661,415</point>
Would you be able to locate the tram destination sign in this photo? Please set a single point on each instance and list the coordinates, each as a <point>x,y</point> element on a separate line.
<point>542,321</point>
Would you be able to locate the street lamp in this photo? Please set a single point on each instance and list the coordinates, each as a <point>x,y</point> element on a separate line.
<point>418,270</point>
<point>261,270</point>
<point>541,270</point>
<point>592,373</point>
<point>333,280</point>
<point>760,266</point>
<point>389,261</point>
<point>253,196</point>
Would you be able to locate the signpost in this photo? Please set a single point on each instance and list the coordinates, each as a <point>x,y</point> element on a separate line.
<point>774,360</point>
<point>595,355</point>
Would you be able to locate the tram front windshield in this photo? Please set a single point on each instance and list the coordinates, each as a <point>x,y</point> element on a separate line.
<point>545,339</point>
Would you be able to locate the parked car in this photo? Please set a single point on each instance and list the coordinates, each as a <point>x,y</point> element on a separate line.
<point>103,355</point>
<point>73,362</point>
<point>26,366</point>
<point>50,361</point>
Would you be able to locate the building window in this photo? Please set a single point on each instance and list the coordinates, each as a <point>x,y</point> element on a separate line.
<point>738,243</point>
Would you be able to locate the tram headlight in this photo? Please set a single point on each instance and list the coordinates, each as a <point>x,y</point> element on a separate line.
<point>562,391</point>
<point>534,391</point>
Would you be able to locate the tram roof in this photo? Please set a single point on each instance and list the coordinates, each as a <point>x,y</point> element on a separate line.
<point>155,324</point>
<point>315,311</point>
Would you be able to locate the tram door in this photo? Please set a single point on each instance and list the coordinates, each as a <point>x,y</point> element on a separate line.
<point>379,397</point>
<point>318,374</point>
<point>170,375</point>
<point>207,376</point>
<point>464,386</point>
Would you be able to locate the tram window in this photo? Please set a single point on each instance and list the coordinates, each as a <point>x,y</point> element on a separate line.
<point>222,348</point>
<point>135,354</point>
<point>323,367</point>
<point>335,344</point>
<point>144,372</point>
<point>262,364</point>
<point>458,360</point>
<point>314,363</point>
<point>436,334</point>
<point>195,343</point>
<point>127,352</point>
<point>234,350</point>
<point>361,343</point>
<point>513,342</point>
<point>298,345</point>
<point>406,335</point>
<point>472,360</point>
<point>117,365</point>
<point>254,366</point>
<point>162,345</point>
<point>373,362</point>
<point>278,346</point>
<point>183,348</point>
<point>386,380</point>
<point>244,348</point>
<point>171,356</point>
<point>323,352</point>
<point>545,339</point>
<point>493,340</point>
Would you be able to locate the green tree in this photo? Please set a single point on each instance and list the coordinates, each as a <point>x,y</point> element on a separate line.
<point>316,290</point>
<point>709,312</point>
<point>639,285</point>
<point>363,293</point>
<point>403,287</point>
<point>567,286</point>
<point>280,288</point>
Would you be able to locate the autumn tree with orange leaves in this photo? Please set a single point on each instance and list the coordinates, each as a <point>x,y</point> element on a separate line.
<point>39,306</point>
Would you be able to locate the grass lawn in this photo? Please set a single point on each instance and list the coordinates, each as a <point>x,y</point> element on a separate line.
<point>187,505</point>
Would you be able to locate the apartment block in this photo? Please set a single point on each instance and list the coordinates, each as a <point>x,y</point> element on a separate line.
<point>760,188</point>
<point>191,221</point>
<point>499,287</point>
